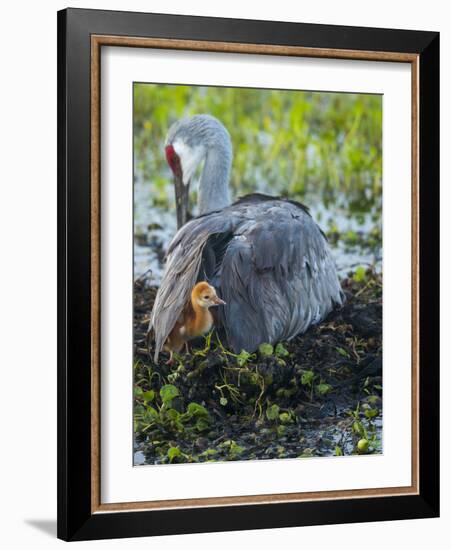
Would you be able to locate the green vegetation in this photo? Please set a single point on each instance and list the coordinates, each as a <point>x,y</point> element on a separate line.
<point>317,395</point>
<point>304,145</point>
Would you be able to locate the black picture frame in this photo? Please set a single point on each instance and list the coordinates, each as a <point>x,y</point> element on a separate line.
<point>75,518</point>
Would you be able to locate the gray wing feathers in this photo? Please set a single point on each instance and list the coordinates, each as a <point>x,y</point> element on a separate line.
<point>182,267</point>
<point>276,275</point>
<point>277,279</point>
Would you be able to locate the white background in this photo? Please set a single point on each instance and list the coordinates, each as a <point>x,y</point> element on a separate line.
<point>28,275</point>
<point>120,482</point>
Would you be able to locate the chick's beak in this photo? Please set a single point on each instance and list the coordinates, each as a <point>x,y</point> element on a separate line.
<point>218,302</point>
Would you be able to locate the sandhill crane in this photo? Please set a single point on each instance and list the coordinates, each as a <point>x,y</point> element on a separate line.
<point>265,256</point>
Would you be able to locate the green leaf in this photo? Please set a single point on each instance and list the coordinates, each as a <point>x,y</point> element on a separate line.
<point>362,445</point>
<point>139,410</point>
<point>209,452</point>
<point>236,449</point>
<point>149,395</point>
<point>173,414</point>
<point>194,409</point>
<point>307,378</point>
<point>202,424</point>
<point>173,452</point>
<point>243,358</point>
<point>357,427</point>
<point>338,451</point>
<point>371,413</point>
<point>359,274</point>
<point>284,417</point>
<point>323,389</point>
<point>351,237</point>
<point>151,415</point>
<point>281,430</point>
<point>281,351</point>
<point>168,393</point>
<point>343,352</point>
<point>307,453</point>
<point>272,412</point>
<point>266,350</point>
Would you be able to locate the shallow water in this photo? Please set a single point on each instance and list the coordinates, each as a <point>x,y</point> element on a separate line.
<point>155,226</point>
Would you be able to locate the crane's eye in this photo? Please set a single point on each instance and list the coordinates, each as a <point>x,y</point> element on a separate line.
<point>206,297</point>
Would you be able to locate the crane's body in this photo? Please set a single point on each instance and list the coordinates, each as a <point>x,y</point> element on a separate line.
<point>265,256</point>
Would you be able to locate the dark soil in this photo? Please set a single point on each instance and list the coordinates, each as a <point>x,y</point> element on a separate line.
<point>317,395</point>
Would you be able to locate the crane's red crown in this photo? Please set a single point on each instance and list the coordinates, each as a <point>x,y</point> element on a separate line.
<point>173,160</point>
<point>169,149</point>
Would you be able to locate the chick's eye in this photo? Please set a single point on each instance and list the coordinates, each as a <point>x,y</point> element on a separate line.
<point>206,297</point>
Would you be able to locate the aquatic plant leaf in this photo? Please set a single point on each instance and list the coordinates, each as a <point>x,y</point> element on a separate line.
<point>173,452</point>
<point>209,452</point>
<point>139,410</point>
<point>173,414</point>
<point>284,417</point>
<point>281,430</point>
<point>373,399</point>
<point>195,409</point>
<point>307,377</point>
<point>266,349</point>
<point>307,452</point>
<point>343,352</point>
<point>362,446</point>
<point>151,415</point>
<point>243,357</point>
<point>359,274</point>
<point>322,389</point>
<point>281,350</point>
<point>272,412</point>
<point>202,424</point>
<point>148,395</point>
<point>168,392</point>
<point>235,449</point>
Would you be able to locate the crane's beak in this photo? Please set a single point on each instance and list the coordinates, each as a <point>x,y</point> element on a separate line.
<point>181,200</point>
<point>217,301</point>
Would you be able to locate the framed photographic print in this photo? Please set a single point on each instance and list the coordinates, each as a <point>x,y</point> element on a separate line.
<point>248,274</point>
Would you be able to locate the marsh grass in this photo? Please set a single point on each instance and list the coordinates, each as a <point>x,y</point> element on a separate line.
<point>294,143</point>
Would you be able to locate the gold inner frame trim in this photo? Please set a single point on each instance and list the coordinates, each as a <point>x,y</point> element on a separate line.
<point>97,41</point>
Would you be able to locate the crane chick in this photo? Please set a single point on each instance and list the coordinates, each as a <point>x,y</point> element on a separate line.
<point>195,320</point>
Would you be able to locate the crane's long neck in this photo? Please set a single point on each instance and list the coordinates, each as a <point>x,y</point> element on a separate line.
<point>214,193</point>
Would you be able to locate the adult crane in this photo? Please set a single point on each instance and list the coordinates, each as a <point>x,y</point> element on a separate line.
<point>266,257</point>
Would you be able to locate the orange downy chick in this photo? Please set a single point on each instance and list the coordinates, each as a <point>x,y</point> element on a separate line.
<point>195,319</point>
